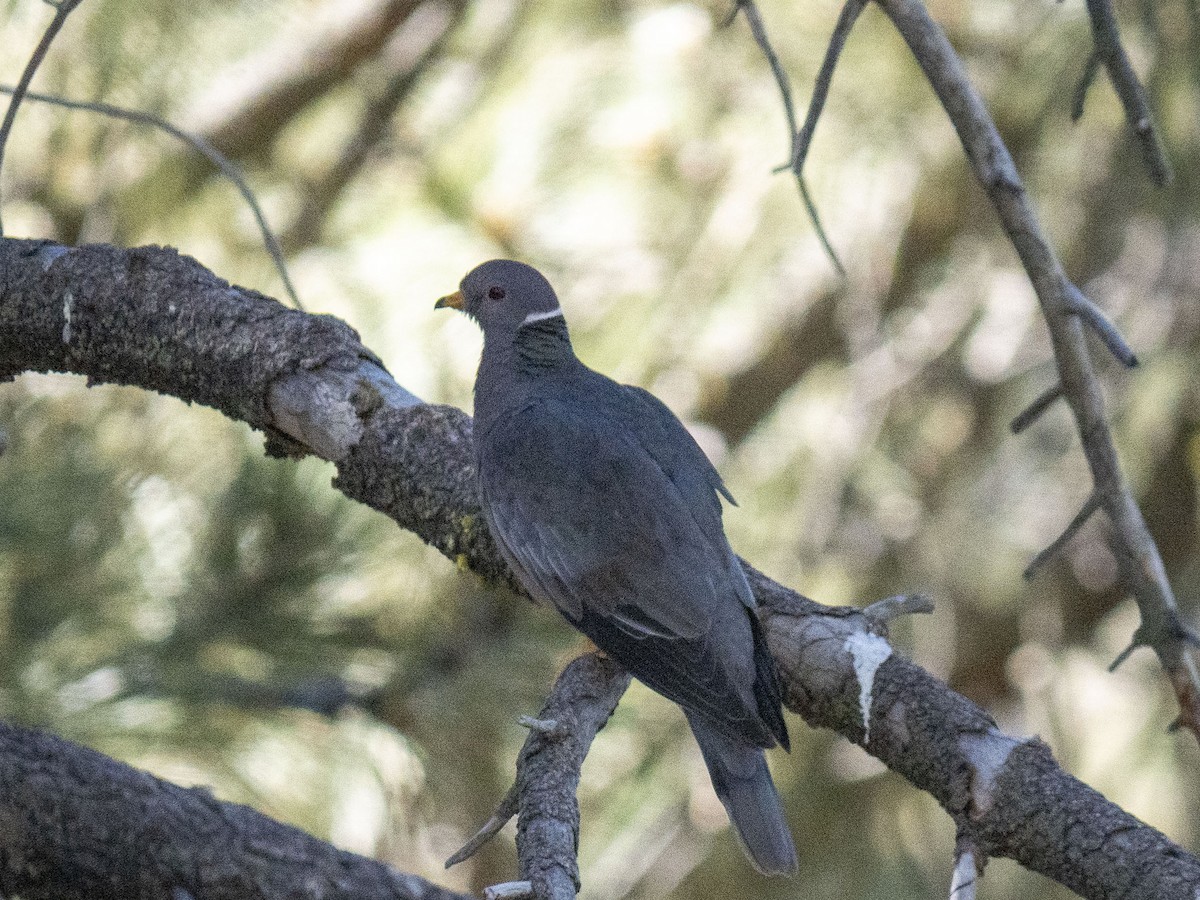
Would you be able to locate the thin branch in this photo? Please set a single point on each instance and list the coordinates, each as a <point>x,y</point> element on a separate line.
<point>492,827</point>
<point>1090,70</point>
<point>1125,654</point>
<point>1141,564</point>
<point>1106,37</point>
<point>1094,317</point>
<point>61,11</point>
<point>413,462</point>
<point>1034,411</point>
<point>200,145</point>
<point>1094,502</point>
<point>837,42</point>
<point>584,696</point>
<point>891,608</point>
<point>759,30</point>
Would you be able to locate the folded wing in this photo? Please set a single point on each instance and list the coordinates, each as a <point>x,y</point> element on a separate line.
<point>603,531</point>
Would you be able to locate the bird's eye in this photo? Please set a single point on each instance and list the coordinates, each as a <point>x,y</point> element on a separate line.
<point>496,293</point>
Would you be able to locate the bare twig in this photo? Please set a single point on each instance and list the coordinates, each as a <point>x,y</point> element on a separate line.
<point>1034,410</point>
<point>1106,37</point>
<point>1094,317</point>
<point>759,30</point>
<point>1141,565</point>
<point>1126,653</point>
<point>890,608</point>
<point>200,145</point>
<point>1088,510</point>
<point>61,11</point>
<point>837,42</point>
<point>501,817</point>
<point>584,696</point>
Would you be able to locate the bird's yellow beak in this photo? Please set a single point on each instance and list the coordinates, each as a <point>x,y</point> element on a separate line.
<point>453,301</point>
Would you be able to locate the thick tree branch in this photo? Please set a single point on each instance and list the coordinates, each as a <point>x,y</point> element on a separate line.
<point>199,145</point>
<point>152,318</point>
<point>76,825</point>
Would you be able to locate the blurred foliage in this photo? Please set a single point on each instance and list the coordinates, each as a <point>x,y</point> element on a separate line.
<point>170,596</point>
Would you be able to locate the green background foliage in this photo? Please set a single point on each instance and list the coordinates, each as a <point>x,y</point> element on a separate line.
<point>173,598</point>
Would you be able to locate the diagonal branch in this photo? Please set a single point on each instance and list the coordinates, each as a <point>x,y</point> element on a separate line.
<point>288,79</point>
<point>201,146</point>
<point>61,11</point>
<point>1110,52</point>
<point>152,318</point>
<point>105,829</point>
<point>374,125</point>
<point>1141,565</point>
<point>837,42</point>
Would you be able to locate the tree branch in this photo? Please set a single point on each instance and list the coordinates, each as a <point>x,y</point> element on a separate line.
<point>759,31</point>
<point>548,768</point>
<point>1066,312</point>
<point>293,77</point>
<point>1110,53</point>
<point>61,11</point>
<point>75,825</point>
<point>152,318</point>
<point>199,145</point>
<point>374,124</point>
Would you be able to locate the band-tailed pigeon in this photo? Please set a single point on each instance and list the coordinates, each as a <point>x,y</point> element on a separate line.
<point>605,507</point>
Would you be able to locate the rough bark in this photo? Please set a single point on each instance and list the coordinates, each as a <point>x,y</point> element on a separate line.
<point>76,825</point>
<point>306,383</point>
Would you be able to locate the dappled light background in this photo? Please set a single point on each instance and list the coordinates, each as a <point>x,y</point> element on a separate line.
<point>173,598</point>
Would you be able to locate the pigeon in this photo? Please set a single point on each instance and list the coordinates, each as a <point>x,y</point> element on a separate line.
<point>606,508</point>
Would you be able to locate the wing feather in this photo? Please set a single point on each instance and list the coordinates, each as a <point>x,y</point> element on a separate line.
<point>602,531</point>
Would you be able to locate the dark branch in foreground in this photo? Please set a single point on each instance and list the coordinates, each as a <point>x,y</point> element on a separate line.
<point>152,318</point>
<point>76,825</point>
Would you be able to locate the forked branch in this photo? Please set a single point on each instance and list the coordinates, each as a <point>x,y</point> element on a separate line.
<point>1067,311</point>
<point>152,318</point>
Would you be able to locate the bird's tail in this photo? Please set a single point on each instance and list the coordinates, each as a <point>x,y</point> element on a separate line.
<point>743,783</point>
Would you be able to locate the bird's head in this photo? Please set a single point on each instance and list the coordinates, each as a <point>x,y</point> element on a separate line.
<point>503,295</point>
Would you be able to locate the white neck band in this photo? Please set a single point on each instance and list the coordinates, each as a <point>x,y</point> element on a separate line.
<point>542,316</point>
